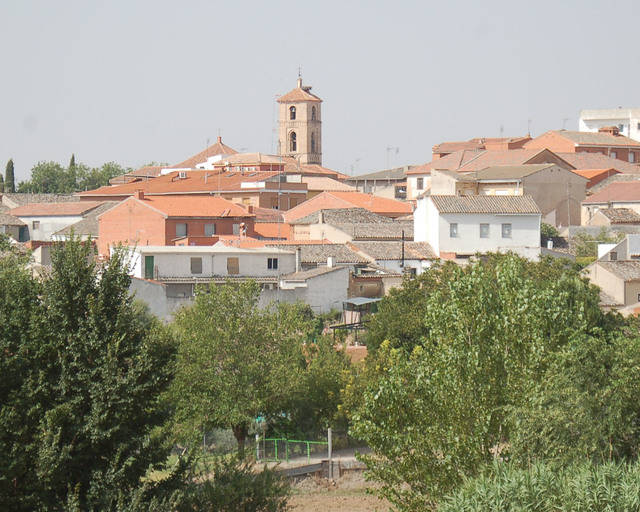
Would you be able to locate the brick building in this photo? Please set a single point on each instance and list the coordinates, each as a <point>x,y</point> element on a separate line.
<point>171,220</point>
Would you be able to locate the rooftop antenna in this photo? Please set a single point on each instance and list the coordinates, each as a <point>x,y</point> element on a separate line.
<point>391,148</point>
<point>501,130</point>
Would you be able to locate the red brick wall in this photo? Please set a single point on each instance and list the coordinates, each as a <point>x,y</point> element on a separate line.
<point>195,227</point>
<point>132,223</point>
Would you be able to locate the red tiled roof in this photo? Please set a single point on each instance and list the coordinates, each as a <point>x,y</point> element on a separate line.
<point>598,161</point>
<point>326,184</point>
<point>593,138</point>
<point>470,161</point>
<point>619,191</point>
<point>332,200</point>
<point>272,229</point>
<point>195,181</point>
<point>53,209</point>
<point>194,206</point>
<point>299,94</point>
<point>215,149</point>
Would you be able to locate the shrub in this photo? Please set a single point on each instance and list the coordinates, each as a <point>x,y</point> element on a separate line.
<point>581,488</point>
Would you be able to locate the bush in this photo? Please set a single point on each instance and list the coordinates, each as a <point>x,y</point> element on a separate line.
<point>583,488</point>
<point>228,485</point>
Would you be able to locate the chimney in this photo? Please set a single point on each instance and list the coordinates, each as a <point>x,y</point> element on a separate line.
<point>613,130</point>
<point>139,194</point>
<point>321,217</point>
<point>331,261</point>
<point>219,139</point>
<point>298,259</point>
<point>299,82</point>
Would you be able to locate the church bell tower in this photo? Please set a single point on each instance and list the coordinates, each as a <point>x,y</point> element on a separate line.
<point>300,125</point>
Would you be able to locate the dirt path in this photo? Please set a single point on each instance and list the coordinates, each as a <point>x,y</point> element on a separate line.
<point>347,494</point>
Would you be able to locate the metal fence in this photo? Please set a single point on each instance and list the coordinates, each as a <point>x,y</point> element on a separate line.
<point>284,450</point>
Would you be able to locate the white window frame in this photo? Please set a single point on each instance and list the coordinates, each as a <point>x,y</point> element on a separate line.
<point>453,230</point>
<point>484,226</point>
<point>507,230</point>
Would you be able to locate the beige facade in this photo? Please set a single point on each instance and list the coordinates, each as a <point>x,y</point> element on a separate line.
<point>300,125</point>
<point>624,292</point>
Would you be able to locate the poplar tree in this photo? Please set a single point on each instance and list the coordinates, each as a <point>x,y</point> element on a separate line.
<point>10,180</point>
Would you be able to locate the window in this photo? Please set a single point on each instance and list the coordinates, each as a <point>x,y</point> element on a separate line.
<point>233,266</point>
<point>313,114</point>
<point>506,230</point>
<point>313,142</point>
<point>272,263</point>
<point>621,128</point>
<point>484,230</point>
<point>420,183</point>
<point>639,297</point>
<point>613,256</point>
<point>453,230</point>
<point>196,265</point>
<point>614,154</point>
<point>181,229</point>
<point>632,157</point>
<point>292,113</point>
<point>293,145</point>
<point>236,229</point>
<point>638,127</point>
<point>246,201</point>
<point>209,229</point>
<point>35,224</point>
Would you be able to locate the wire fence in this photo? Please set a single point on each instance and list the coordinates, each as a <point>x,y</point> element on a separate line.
<point>284,450</point>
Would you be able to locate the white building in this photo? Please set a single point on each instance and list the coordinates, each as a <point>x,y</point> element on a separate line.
<point>166,276</point>
<point>460,226</point>
<point>626,119</point>
<point>44,219</point>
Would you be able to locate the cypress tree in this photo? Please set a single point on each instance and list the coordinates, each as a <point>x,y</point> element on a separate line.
<point>72,162</point>
<point>1,183</point>
<point>9,178</point>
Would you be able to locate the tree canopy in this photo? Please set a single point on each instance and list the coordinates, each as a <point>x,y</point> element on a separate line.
<point>236,361</point>
<point>83,372</point>
<point>438,401</point>
<point>52,177</point>
<point>9,177</point>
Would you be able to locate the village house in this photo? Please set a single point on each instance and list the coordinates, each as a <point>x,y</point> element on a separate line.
<point>390,183</point>
<point>607,141</point>
<point>612,217</point>
<point>42,220</point>
<point>332,200</point>
<point>617,194</point>
<point>166,277</point>
<point>170,220</point>
<point>266,189</point>
<point>627,120</point>
<point>557,191</point>
<point>457,227</point>
<point>342,225</point>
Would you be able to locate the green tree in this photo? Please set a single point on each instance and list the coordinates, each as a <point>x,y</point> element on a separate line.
<point>92,178</point>
<point>49,177</point>
<point>83,372</point>
<point>9,177</point>
<point>235,360</point>
<point>72,161</point>
<point>1,183</point>
<point>439,411</point>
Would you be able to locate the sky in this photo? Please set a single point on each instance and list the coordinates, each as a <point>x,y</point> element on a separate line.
<point>139,81</point>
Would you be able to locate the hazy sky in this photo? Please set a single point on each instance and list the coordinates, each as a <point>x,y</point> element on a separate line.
<point>135,81</point>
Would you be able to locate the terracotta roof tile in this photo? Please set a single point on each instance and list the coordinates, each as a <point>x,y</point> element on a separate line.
<point>323,183</point>
<point>299,94</point>
<point>195,181</point>
<point>485,204</point>
<point>595,138</point>
<point>620,215</point>
<point>621,191</point>
<point>332,200</point>
<point>585,161</point>
<point>54,209</point>
<point>196,206</point>
<point>215,149</point>
<point>276,230</point>
<point>626,270</point>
